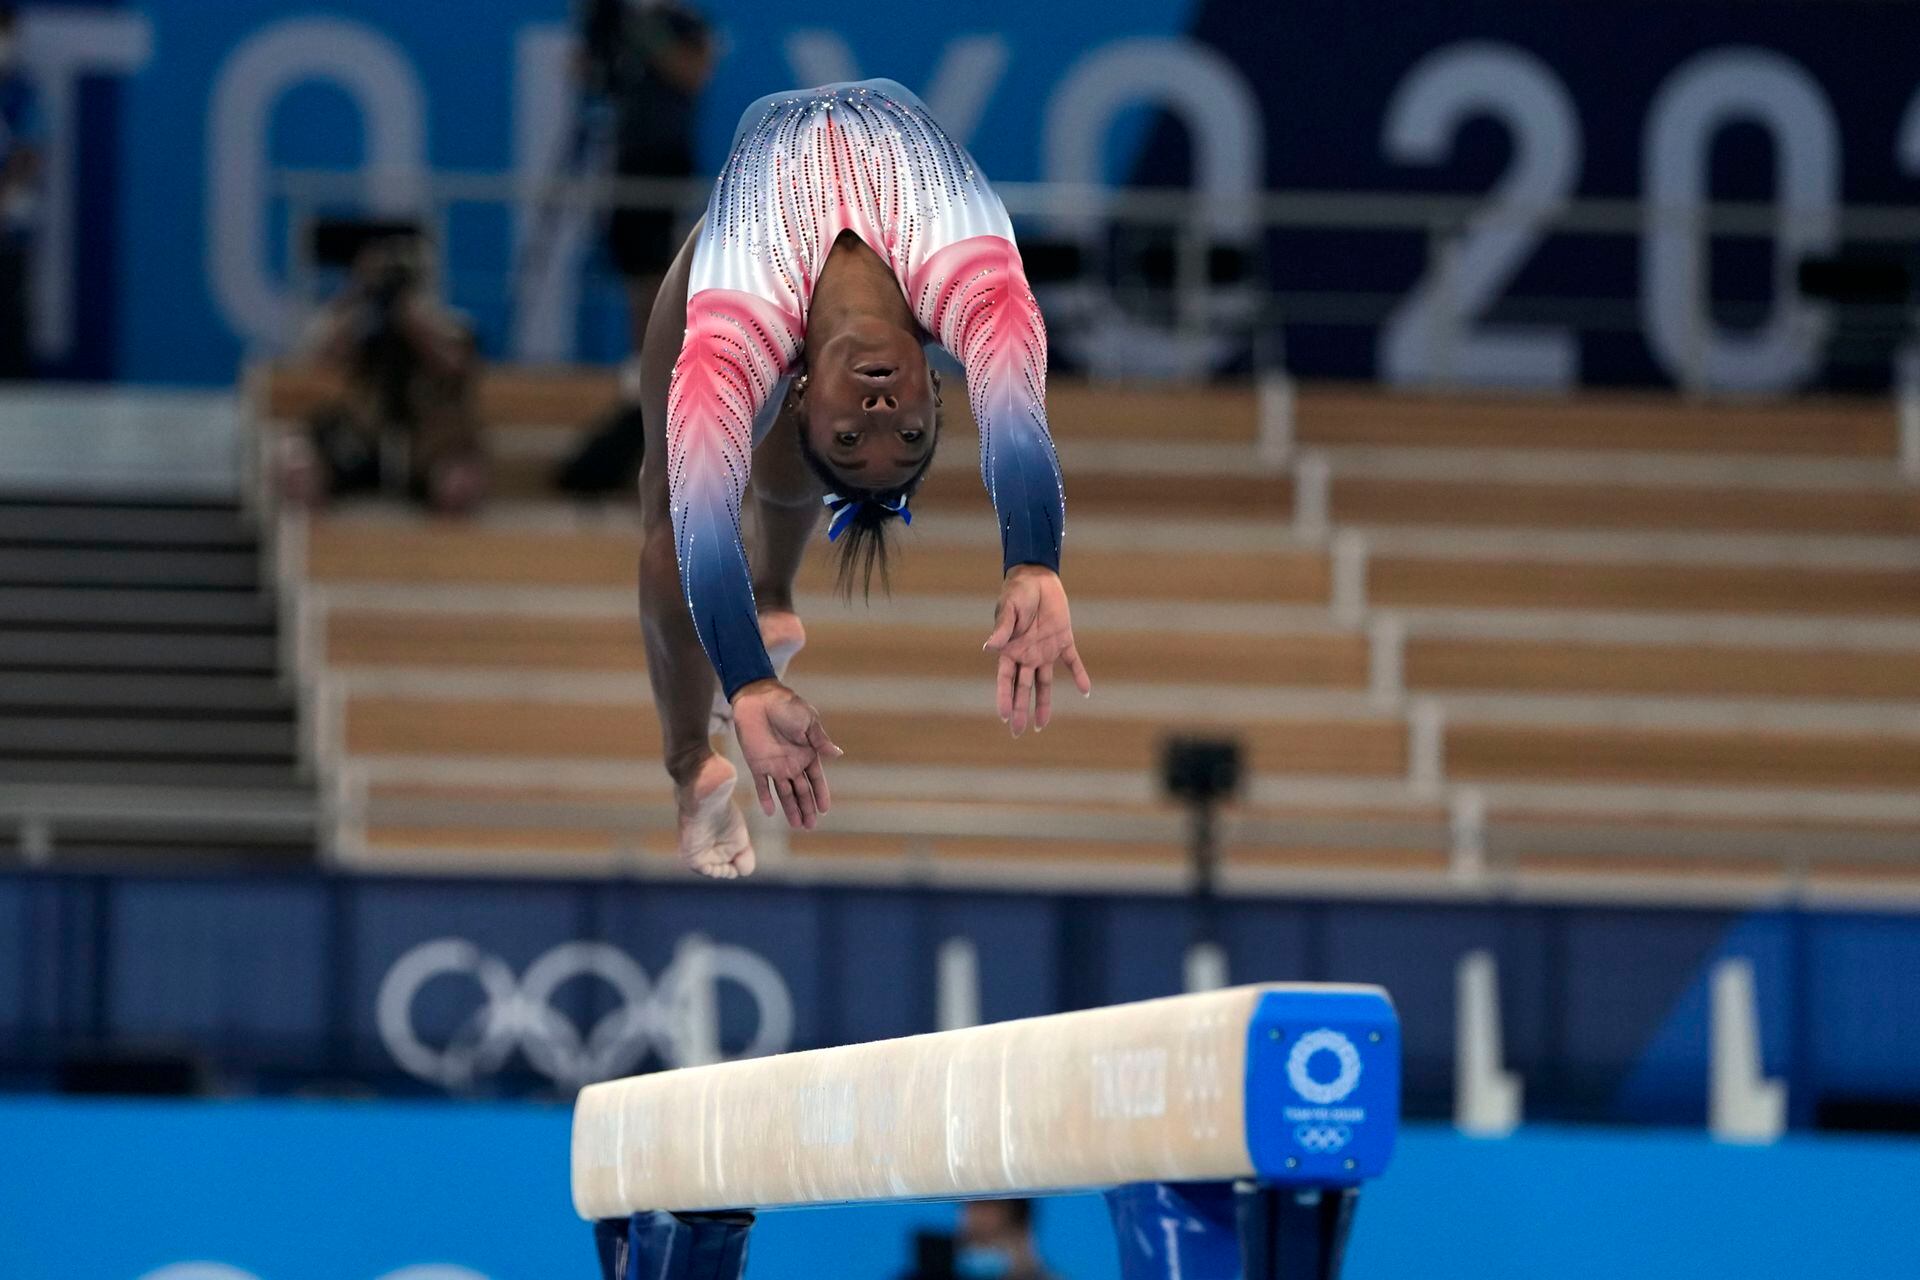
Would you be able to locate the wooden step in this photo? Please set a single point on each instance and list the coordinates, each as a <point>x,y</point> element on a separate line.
<point>600,828</point>
<point>574,397</point>
<point>1682,865</point>
<point>647,791</point>
<point>1642,850</point>
<point>532,851</point>
<point>1171,855</point>
<point>1630,422</point>
<point>1141,495</point>
<point>1327,415</point>
<point>952,490</point>
<point>1677,757</point>
<point>1368,501</point>
<point>840,647</point>
<point>571,397</point>
<point>609,822</point>
<point>1643,869</point>
<point>1547,584</point>
<point>1152,412</point>
<point>344,549</point>
<point>1436,663</point>
<point>536,843</point>
<point>520,729</point>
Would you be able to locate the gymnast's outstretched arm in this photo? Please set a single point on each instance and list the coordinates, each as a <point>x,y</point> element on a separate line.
<point>973,295</point>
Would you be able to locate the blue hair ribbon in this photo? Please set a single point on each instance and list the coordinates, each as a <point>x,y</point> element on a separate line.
<point>844,509</point>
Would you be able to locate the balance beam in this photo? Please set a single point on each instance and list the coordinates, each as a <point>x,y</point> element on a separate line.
<point>1276,1086</point>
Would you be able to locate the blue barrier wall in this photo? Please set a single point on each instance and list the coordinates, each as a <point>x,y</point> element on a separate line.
<point>278,982</point>
<point>308,1191</point>
<point>168,250</point>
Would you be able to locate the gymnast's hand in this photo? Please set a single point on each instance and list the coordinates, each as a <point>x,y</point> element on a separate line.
<point>1032,630</point>
<point>785,745</point>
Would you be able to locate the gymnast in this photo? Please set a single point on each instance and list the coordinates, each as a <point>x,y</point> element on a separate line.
<point>784,358</point>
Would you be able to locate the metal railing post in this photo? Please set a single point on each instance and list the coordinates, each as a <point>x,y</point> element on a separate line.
<point>1907,393</point>
<point>1190,279</point>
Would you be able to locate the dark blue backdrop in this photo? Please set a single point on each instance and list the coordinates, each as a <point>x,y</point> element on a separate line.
<point>273,981</point>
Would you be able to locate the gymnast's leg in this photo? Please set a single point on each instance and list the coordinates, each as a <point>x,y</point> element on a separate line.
<point>673,1246</point>
<point>713,836</point>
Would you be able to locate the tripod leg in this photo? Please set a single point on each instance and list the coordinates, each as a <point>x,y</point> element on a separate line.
<point>1293,1233</point>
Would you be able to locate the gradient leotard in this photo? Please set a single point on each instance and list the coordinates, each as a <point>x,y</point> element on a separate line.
<point>869,159</point>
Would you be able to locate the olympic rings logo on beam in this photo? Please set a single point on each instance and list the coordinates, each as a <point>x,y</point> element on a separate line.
<point>518,1013</point>
<point>221,1271</point>
<point>1322,1138</point>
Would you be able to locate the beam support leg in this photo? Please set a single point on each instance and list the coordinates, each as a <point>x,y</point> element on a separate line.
<point>673,1246</point>
<point>1175,1229</point>
<point>1231,1231</point>
<point>1293,1233</point>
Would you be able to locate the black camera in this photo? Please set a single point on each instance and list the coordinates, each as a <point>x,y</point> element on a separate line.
<point>389,251</point>
<point>386,257</point>
<point>1201,769</point>
<point>339,242</point>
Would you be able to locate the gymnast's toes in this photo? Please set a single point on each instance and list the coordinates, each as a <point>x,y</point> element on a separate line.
<point>713,836</point>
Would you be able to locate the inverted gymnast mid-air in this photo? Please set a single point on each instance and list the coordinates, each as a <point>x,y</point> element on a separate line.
<point>784,358</point>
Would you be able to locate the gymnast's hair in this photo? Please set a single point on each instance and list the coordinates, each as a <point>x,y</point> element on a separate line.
<point>863,545</point>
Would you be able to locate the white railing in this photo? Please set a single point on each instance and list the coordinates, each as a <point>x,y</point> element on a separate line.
<point>1248,310</point>
<point>42,816</point>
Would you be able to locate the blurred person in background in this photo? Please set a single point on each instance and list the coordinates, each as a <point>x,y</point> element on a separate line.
<point>20,139</point>
<point>406,420</point>
<point>647,60</point>
<point>994,1242</point>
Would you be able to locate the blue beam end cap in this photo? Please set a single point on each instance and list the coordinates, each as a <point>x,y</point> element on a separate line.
<point>1323,1085</point>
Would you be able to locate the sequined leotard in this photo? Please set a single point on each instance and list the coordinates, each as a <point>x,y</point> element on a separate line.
<point>865,158</point>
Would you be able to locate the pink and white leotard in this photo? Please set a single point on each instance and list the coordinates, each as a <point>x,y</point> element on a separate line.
<point>866,158</point>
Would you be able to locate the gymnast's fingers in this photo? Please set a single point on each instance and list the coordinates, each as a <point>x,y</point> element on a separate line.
<point>783,787</point>
<point>1042,696</point>
<point>803,797</point>
<point>817,778</point>
<point>1003,623</point>
<point>1081,680</point>
<point>763,786</point>
<point>1003,691</point>
<point>1022,697</point>
<point>823,745</point>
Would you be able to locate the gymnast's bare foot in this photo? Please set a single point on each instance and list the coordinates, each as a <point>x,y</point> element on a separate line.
<point>781,632</point>
<point>713,835</point>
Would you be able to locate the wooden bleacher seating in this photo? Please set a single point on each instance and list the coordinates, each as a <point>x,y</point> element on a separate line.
<point>1634,711</point>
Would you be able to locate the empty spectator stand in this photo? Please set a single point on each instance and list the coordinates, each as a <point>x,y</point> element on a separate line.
<point>1616,644</point>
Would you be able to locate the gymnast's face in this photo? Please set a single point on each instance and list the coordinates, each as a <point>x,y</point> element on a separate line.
<point>870,404</point>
